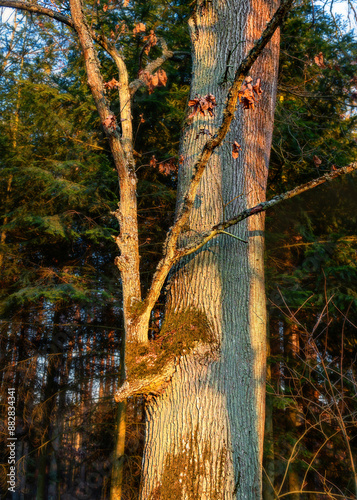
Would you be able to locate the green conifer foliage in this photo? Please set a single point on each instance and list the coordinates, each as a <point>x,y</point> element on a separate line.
<point>311,260</point>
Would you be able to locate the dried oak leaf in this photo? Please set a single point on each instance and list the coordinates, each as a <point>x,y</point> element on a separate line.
<point>139,28</point>
<point>112,84</point>
<point>125,3</point>
<point>153,161</point>
<point>121,28</point>
<point>319,60</point>
<point>162,77</point>
<point>150,40</point>
<point>203,131</point>
<point>105,7</point>
<point>246,94</point>
<point>235,149</point>
<point>202,104</point>
<point>110,123</point>
<point>246,97</point>
<point>168,167</point>
<point>211,103</point>
<point>317,160</point>
<point>257,88</point>
<point>158,79</point>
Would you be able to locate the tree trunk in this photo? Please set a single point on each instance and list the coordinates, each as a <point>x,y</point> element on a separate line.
<point>45,453</point>
<point>269,464</point>
<point>292,351</point>
<point>204,434</point>
<point>118,458</point>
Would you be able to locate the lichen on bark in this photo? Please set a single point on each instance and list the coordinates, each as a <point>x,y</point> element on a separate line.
<point>182,473</point>
<point>150,365</point>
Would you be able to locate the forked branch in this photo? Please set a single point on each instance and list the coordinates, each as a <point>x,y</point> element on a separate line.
<point>171,254</point>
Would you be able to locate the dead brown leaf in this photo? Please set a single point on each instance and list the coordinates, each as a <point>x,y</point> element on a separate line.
<point>317,160</point>
<point>257,88</point>
<point>319,60</point>
<point>158,79</point>
<point>112,84</point>
<point>150,40</point>
<point>202,104</point>
<point>140,27</point>
<point>235,149</point>
<point>168,167</point>
<point>250,94</point>
<point>153,161</point>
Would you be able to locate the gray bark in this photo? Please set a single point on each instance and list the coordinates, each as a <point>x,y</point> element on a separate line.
<point>204,434</point>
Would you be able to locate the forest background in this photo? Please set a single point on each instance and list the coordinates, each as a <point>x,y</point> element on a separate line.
<point>61,332</point>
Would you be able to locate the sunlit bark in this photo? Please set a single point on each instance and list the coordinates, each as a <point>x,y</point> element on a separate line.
<point>204,436</point>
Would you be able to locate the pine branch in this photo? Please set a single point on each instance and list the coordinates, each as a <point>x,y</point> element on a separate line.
<point>262,207</point>
<point>100,39</point>
<point>53,14</point>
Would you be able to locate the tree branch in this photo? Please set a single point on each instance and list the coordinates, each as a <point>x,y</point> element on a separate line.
<point>53,14</point>
<point>152,66</point>
<point>38,9</point>
<point>229,112</point>
<point>262,207</point>
<point>171,254</point>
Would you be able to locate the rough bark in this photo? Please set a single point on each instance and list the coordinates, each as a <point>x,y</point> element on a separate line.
<point>116,482</point>
<point>204,434</point>
<point>121,149</point>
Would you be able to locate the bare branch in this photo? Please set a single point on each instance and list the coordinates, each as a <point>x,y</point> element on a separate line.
<point>38,9</point>
<point>152,66</point>
<point>262,207</point>
<point>171,255</point>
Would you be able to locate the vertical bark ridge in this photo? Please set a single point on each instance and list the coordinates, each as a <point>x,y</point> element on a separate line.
<point>214,406</point>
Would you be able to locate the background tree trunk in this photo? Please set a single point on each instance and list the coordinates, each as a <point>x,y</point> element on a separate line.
<point>292,351</point>
<point>204,434</point>
<point>269,463</point>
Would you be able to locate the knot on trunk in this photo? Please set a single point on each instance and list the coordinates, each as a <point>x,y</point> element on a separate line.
<point>150,365</point>
<point>122,263</point>
<point>154,384</point>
